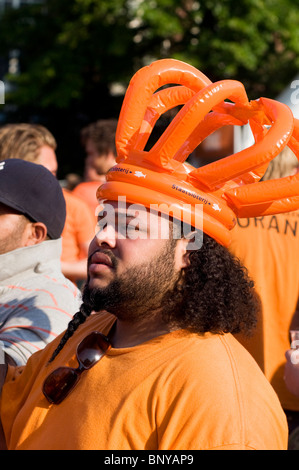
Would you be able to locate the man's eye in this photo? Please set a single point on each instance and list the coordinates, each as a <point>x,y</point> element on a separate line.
<point>133,228</point>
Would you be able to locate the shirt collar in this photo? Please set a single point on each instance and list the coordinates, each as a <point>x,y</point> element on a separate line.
<point>35,258</point>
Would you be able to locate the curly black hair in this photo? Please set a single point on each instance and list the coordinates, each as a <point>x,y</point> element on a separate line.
<point>214,294</point>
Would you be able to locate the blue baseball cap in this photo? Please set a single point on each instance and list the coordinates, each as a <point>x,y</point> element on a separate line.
<point>33,191</point>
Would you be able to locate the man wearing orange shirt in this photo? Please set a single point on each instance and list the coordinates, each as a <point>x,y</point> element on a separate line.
<point>157,367</point>
<point>172,379</point>
<point>98,139</point>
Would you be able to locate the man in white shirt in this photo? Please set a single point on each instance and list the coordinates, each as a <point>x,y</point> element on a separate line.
<point>36,300</point>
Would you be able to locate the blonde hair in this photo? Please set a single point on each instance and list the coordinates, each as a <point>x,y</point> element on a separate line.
<point>24,141</point>
<point>284,164</point>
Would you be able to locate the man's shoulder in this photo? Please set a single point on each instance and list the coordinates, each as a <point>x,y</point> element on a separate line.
<point>215,355</point>
<point>221,379</point>
<point>50,289</point>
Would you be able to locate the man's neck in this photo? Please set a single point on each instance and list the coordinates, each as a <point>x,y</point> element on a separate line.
<point>127,334</point>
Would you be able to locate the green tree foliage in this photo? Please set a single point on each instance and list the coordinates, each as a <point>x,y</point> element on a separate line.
<point>73,51</point>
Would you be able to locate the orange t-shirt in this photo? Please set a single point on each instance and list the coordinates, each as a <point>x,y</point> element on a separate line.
<point>79,228</point>
<point>177,391</point>
<point>269,248</point>
<point>88,192</point>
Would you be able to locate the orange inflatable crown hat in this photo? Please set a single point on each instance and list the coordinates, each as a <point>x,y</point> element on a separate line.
<point>227,188</point>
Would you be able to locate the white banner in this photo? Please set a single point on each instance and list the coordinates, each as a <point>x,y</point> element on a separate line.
<point>2,93</point>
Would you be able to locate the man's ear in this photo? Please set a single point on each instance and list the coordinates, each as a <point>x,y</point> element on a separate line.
<point>35,233</point>
<point>189,243</point>
<point>194,240</point>
<point>186,259</point>
<point>182,253</point>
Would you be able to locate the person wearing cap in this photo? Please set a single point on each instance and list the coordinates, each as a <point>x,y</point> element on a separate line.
<point>35,143</point>
<point>36,300</point>
<point>157,366</point>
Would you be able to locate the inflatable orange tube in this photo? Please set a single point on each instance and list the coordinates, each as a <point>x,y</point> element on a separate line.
<point>139,93</point>
<point>169,185</point>
<point>187,119</point>
<point>225,189</point>
<point>217,173</point>
<point>161,102</point>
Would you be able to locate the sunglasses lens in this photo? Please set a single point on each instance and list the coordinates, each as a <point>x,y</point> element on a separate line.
<point>62,380</point>
<point>59,384</point>
<point>92,348</point>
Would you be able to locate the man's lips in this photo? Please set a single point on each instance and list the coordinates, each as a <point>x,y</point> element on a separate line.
<point>101,258</point>
<point>99,261</point>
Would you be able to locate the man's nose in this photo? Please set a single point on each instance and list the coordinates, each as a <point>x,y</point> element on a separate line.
<point>106,235</point>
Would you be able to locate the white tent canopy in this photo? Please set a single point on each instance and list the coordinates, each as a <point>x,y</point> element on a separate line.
<point>243,137</point>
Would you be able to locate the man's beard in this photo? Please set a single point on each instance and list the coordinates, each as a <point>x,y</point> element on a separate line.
<point>139,291</point>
